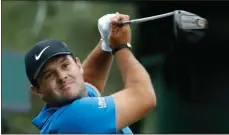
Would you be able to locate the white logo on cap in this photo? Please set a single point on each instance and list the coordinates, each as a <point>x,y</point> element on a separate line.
<point>38,57</point>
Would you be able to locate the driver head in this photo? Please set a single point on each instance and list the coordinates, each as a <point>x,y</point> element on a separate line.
<point>189,27</point>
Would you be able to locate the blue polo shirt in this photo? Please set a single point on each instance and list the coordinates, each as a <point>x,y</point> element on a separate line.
<point>92,114</point>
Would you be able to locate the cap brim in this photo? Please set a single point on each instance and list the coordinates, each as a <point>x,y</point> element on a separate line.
<point>44,62</point>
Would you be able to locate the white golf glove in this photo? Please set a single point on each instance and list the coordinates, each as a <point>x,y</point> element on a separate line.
<point>104,30</point>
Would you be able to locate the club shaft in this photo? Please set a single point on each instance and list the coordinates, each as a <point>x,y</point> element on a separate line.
<point>147,18</point>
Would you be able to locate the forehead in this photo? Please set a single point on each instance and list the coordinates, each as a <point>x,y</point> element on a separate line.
<point>56,60</point>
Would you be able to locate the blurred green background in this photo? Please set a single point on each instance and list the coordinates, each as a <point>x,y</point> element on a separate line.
<point>190,80</point>
<point>26,22</point>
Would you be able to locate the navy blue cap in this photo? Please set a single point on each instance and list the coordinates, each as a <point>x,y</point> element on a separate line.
<point>40,53</point>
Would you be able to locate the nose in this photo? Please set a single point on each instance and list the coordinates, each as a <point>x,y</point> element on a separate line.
<point>62,76</point>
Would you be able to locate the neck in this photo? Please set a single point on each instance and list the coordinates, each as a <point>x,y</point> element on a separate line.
<point>83,93</point>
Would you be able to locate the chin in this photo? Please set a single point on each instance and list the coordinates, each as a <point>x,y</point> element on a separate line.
<point>73,95</point>
<point>78,93</point>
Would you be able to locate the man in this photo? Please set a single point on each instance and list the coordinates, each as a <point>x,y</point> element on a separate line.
<point>71,90</point>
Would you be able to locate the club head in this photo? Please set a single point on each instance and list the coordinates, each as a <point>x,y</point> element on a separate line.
<point>189,27</point>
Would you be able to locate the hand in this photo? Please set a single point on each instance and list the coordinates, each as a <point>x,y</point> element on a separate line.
<point>119,35</point>
<point>104,30</point>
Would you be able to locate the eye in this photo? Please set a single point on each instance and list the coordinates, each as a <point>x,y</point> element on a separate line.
<point>47,76</point>
<point>65,66</point>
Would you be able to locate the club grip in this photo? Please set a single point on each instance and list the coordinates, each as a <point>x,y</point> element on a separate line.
<point>121,23</point>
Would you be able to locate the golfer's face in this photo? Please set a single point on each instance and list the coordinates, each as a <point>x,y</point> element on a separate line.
<point>61,80</point>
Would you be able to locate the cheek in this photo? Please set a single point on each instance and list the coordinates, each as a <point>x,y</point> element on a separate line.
<point>76,73</point>
<point>49,86</point>
<point>77,76</point>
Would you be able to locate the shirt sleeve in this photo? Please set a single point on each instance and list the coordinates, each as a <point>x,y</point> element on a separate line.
<point>92,90</point>
<point>89,115</point>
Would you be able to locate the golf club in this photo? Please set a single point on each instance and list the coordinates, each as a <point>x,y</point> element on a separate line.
<point>146,18</point>
<point>187,26</point>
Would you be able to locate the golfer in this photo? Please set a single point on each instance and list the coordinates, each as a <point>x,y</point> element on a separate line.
<point>72,91</point>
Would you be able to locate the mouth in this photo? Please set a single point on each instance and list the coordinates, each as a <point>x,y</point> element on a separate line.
<point>65,86</point>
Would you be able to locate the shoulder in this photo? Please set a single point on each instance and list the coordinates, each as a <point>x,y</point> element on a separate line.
<point>82,116</point>
<point>92,90</point>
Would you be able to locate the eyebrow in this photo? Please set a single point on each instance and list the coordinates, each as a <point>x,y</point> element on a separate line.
<point>46,71</point>
<point>65,58</point>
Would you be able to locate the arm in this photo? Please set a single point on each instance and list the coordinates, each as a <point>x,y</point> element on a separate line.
<point>138,97</point>
<point>97,67</point>
<point>118,110</point>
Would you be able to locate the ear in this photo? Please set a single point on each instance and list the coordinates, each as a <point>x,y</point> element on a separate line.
<point>36,91</point>
<point>78,62</point>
